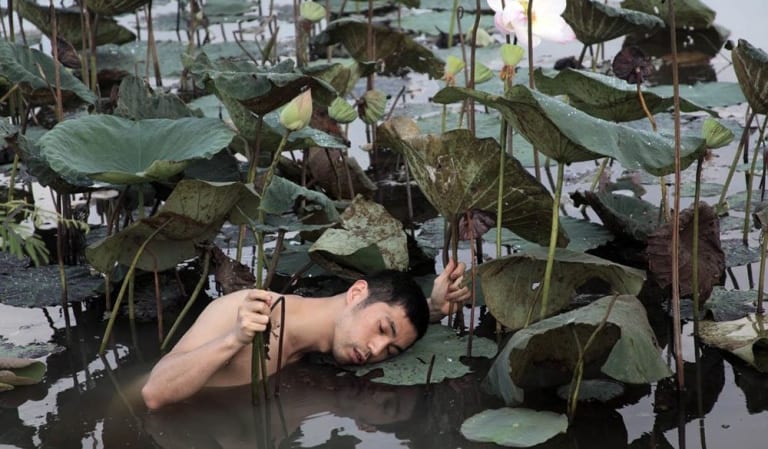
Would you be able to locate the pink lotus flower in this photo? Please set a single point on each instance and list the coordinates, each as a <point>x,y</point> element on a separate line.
<point>545,16</point>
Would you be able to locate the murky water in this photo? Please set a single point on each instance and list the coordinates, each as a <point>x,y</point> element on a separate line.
<point>91,401</point>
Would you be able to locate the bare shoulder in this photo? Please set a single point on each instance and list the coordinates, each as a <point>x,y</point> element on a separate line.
<point>218,318</point>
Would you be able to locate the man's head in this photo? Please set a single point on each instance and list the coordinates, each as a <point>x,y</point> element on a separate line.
<point>386,313</point>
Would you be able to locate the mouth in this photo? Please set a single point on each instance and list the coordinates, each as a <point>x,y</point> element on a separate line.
<point>358,357</point>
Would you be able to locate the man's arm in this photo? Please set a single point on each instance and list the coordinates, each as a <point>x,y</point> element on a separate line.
<point>446,291</point>
<point>225,326</point>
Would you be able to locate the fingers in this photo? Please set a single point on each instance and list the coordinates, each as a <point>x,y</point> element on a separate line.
<point>458,295</point>
<point>253,314</point>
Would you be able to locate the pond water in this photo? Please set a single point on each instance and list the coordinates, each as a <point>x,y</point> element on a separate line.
<point>91,401</point>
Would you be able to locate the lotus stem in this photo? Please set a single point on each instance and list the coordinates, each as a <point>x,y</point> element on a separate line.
<point>12,177</point>
<point>500,199</point>
<point>676,213</point>
<point>472,240</point>
<point>131,308</point>
<point>60,253</point>
<point>761,281</point>
<point>158,305</point>
<point>280,300</point>
<point>275,258</point>
<point>473,61</point>
<point>190,302</point>
<point>750,177</point>
<point>552,241</point>
<point>258,369</point>
<point>695,250</point>
<point>531,82</point>
<point>128,275</point>
<point>454,7</point>
<point>578,371</point>
<point>152,47</point>
<point>742,142</point>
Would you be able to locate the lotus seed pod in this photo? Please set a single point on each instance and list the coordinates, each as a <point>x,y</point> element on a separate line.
<point>341,111</point>
<point>372,107</point>
<point>511,54</point>
<point>312,11</point>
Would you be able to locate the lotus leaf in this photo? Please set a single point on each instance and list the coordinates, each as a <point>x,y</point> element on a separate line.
<point>115,7</point>
<point>567,135</point>
<point>194,212</point>
<point>41,170</point>
<point>708,95</point>
<point>514,427</point>
<point>594,22</point>
<point>706,189</point>
<point>410,367</point>
<point>370,240</point>
<point>728,305</point>
<point>688,13</point>
<point>41,287</point>
<point>458,172</point>
<point>751,66</point>
<point>606,97</point>
<point>697,45</point>
<point>21,65</point>
<point>623,215</point>
<point>282,195</point>
<point>737,253</point>
<point>710,258</point>
<point>228,11</point>
<point>116,150</point>
<point>583,234</point>
<point>69,22</point>
<point>33,350</point>
<point>512,284</point>
<point>594,390</point>
<point>544,354</point>
<point>136,101</point>
<point>738,201</point>
<point>746,338</point>
<point>342,76</point>
<point>222,167</point>
<point>715,133</point>
<point>432,23</point>
<point>396,49</point>
<point>16,371</point>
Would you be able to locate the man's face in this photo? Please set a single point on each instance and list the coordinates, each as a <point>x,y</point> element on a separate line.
<point>369,333</point>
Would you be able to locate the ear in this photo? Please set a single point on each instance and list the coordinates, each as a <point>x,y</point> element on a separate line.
<point>357,292</point>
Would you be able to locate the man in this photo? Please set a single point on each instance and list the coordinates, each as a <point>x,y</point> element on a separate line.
<point>376,318</point>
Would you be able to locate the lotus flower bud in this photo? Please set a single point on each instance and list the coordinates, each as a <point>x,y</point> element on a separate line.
<point>482,39</point>
<point>296,114</point>
<point>312,11</point>
<point>341,111</point>
<point>453,65</point>
<point>511,54</point>
<point>372,106</point>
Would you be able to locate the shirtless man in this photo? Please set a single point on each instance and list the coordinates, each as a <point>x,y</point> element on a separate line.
<point>376,318</point>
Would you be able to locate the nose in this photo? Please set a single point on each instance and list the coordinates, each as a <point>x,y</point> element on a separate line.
<point>378,346</point>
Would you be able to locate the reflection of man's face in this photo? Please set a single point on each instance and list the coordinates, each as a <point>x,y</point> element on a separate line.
<point>378,405</point>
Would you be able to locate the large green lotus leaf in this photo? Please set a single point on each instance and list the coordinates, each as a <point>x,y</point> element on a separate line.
<point>606,97</point>
<point>512,285</point>
<point>486,125</point>
<point>594,22</point>
<point>583,235</point>
<point>746,338</point>
<point>282,195</point>
<point>263,90</point>
<point>70,21</point>
<point>410,367</point>
<point>567,134</point>
<point>728,305</point>
<point>38,167</point>
<point>196,211</point>
<point>688,13</point>
<point>115,7</point>
<point>17,371</point>
<point>623,215</point>
<point>137,101</point>
<point>21,65</point>
<point>709,95</point>
<point>544,354</point>
<point>121,151</point>
<point>397,50</point>
<point>458,172</point>
<point>751,66</point>
<point>514,427</point>
<point>369,240</point>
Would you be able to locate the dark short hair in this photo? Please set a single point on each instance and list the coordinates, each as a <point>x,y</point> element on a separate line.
<point>396,288</point>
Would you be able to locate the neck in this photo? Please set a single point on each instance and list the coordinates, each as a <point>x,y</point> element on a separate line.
<point>310,323</point>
